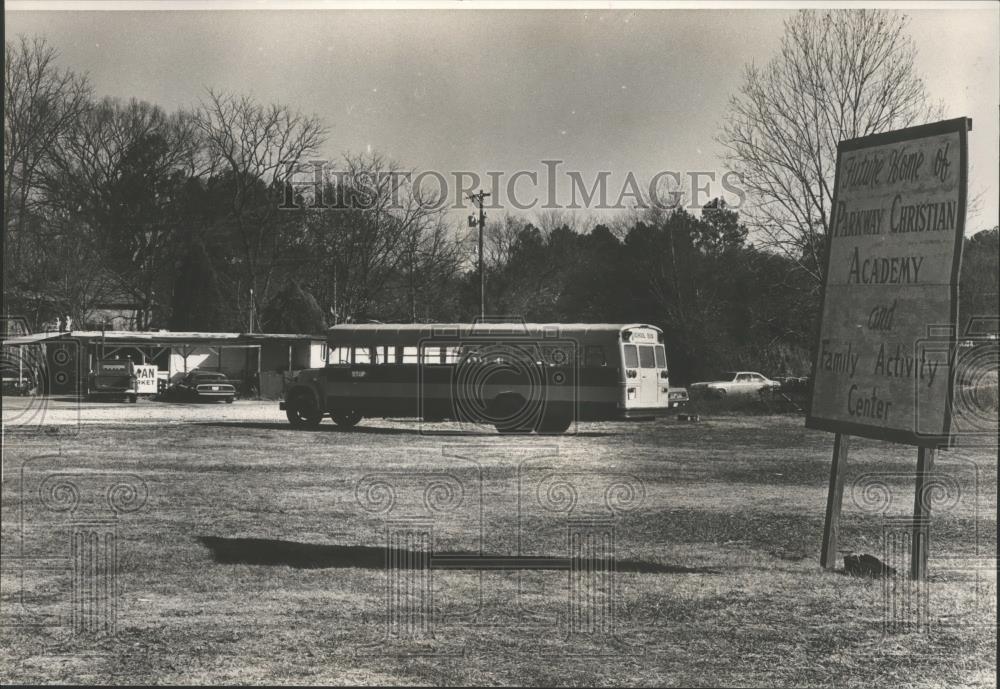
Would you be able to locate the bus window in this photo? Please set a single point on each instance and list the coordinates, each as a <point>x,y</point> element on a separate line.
<point>661,357</point>
<point>594,356</point>
<point>431,355</point>
<point>361,355</point>
<point>409,355</point>
<point>389,355</point>
<point>339,355</point>
<point>451,354</point>
<point>631,358</point>
<point>646,357</point>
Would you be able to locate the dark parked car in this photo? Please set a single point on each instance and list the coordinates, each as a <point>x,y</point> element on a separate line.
<point>795,384</point>
<point>677,397</point>
<point>201,386</point>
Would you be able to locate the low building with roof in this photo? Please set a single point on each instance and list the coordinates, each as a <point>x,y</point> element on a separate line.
<point>259,363</point>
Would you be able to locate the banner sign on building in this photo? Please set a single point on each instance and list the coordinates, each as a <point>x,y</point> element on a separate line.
<point>890,303</point>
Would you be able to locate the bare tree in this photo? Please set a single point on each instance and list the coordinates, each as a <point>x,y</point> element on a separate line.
<point>256,147</point>
<point>381,236</point>
<point>548,220</point>
<point>433,264</point>
<point>839,75</point>
<point>116,177</point>
<point>521,278</point>
<point>499,240</point>
<point>41,101</point>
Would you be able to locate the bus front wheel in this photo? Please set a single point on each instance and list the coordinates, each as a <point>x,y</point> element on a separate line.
<point>348,419</point>
<point>302,412</point>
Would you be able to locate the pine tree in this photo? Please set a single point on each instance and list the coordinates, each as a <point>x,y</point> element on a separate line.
<point>197,301</point>
<point>294,310</point>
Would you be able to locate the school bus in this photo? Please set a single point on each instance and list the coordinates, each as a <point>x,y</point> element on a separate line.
<point>519,377</point>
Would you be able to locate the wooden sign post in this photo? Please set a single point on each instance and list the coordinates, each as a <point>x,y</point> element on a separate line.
<point>886,344</point>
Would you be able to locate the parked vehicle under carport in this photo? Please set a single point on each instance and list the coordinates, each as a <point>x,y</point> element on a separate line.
<point>201,386</point>
<point>113,380</point>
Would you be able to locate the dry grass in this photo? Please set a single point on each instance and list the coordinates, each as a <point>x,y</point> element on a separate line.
<point>719,582</point>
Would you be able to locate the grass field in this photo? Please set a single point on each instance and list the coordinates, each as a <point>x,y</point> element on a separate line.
<point>259,555</point>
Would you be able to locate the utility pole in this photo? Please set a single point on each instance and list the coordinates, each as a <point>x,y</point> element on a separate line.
<point>336,305</point>
<point>413,286</point>
<point>478,199</point>
<point>251,311</point>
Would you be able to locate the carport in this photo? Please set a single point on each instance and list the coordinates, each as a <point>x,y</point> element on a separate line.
<point>172,352</point>
<point>265,361</point>
<point>14,355</point>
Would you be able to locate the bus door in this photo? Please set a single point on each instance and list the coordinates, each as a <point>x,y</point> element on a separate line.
<point>641,375</point>
<point>649,376</point>
<point>663,380</point>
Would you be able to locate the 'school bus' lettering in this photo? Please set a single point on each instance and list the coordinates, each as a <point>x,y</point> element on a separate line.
<point>519,377</point>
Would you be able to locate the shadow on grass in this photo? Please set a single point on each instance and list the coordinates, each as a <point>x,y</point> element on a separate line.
<point>377,430</point>
<point>184,402</point>
<point>322,428</point>
<point>265,551</point>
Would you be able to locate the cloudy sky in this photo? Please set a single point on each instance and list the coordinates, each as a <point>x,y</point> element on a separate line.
<point>625,90</point>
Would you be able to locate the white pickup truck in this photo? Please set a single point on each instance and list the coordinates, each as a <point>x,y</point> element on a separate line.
<point>735,383</point>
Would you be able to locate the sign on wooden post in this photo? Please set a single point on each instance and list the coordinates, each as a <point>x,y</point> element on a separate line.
<point>146,379</point>
<point>883,366</point>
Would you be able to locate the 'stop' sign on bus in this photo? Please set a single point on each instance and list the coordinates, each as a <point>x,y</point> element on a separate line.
<point>890,302</point>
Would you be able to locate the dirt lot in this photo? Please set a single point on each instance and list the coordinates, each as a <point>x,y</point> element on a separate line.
<point>661,553</point>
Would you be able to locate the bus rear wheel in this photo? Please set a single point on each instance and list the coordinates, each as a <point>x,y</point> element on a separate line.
<point>348,419</point>
<point>508,430</point>
<point>505,409</point>
<point>302,412</point>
